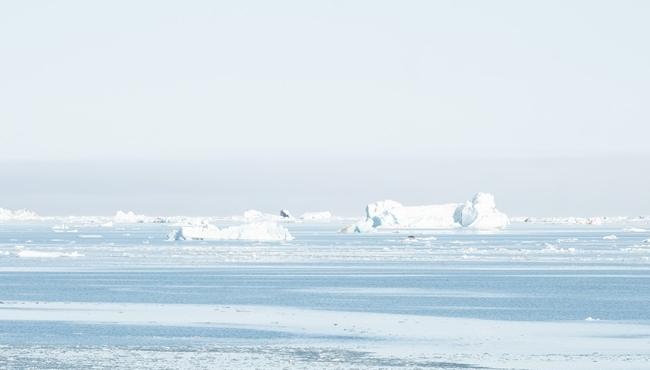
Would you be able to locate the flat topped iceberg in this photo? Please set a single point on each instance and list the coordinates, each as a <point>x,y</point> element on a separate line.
<point>478,213</point>
<point>258,231</point>
<point>392,214</point>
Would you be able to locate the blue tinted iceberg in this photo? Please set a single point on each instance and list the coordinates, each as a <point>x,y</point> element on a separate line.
<point>480,213</point>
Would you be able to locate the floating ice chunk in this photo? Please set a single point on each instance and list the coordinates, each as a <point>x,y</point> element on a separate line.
<point>90,236</point>
<point>567,240</point>
<point>550,248</point>
<point>129,217</point>
<point>610,237</point>
<point>107,224</point>
<point>18,215</point>
<point>361,226</point>
<point>635,230</point>
<point>479,213</point>
<point>175,235</point>
<point>570,220</point>
<point>45,254</point>
<point>591,319</point>
<point>316,216</point>
<point>262,231</point>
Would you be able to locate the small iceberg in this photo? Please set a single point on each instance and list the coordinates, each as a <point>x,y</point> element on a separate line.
<point>258,231</point>
<point>610,237</point>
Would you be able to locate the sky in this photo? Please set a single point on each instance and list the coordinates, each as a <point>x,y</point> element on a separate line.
<point>203,107</point>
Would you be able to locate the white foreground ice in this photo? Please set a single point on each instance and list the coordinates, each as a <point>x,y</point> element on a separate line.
<point>583,344</point>
<point>408,279</point>
<point>261,231</point>
<point>479,213</point>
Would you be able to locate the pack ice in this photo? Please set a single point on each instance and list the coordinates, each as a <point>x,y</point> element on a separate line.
<point>478,213</point>
<point>129,217</point>
<point>18,215</point>
<point>260,231</point>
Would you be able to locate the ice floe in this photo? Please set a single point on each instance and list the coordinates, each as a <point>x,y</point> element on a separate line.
<point>610,237</point>
<point>635,230</point>
<point>401,338</point>
<point>260,231</point>
<point>574,220</point>
<point>26,253</point>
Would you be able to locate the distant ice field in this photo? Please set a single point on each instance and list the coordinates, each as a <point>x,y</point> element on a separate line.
<point>126,296</point>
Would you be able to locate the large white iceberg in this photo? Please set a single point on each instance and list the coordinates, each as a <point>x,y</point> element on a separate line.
<point>478,213</point>
<point>260,231</point>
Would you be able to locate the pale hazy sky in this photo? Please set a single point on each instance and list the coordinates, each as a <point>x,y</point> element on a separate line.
<point>470,93</point>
